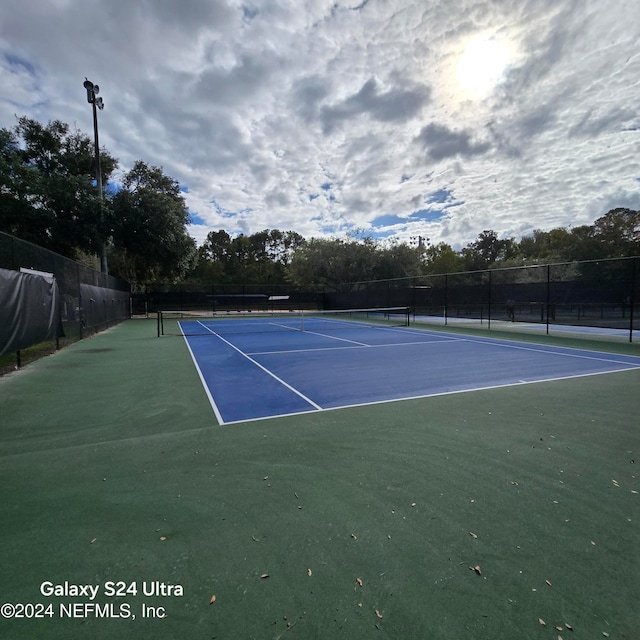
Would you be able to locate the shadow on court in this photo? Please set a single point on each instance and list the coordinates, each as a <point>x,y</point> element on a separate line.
<point>494,514</point>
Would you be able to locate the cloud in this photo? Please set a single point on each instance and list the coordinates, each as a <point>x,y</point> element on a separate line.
<point>234,86</point>
<point>441,142</point>
<point>322,116</point>
<point>307,96</point>
<point>611,118</point>
<point>394,105</point>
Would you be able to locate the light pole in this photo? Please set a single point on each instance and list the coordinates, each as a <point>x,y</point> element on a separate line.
<point>421,242</point>
<point>92,92</point>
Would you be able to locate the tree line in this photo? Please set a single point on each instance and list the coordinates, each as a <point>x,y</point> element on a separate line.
<point>275,257</point>
<point>48,196</point>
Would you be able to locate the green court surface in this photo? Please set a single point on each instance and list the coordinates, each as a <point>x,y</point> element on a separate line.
<point>509,513</point>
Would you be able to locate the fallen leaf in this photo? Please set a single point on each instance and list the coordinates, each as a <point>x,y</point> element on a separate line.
<point>605,634</point>
<point>163,538</point>
<point>93,540</point>
<point>476,569</point>
<point>264,575</point>
<point>354,536</point>
<point>568,626</point>
<point>213,599</point>
<point>547,581</point>
<point>473,535</point>
<point>413,504</point>
<point>378,614</point>
<point>559,628</point>
<point>359,581</point>
<point>542,622</point>
<point>309,572</point>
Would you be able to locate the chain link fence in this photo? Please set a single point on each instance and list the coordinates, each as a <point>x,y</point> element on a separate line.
<point>90,300</point>
<point>151,298</point>
<point>598,293</point>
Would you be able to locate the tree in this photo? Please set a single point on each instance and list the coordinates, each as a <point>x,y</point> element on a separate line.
<point>149,219</point>
<point>484,252</point>
<point>213,258</point>
<point>333,262</point>
<point>619,232</point>
<point>441,258</point>
<point>47,184</point>
<point>261,258</point>
<point>18,211</point>
<point>398,260</point>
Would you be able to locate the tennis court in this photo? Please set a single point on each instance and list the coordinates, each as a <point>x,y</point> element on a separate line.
<point>506,512</point>
<point>257,366</point>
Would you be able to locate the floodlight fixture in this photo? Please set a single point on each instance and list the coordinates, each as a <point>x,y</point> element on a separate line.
<point>419,240</point>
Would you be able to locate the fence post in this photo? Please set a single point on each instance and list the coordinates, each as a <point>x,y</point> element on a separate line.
<point>413,294</point>
<point>489,305</point>
<point>632,297</point>
<point>446,298</point>
<point>80,302</point>
<point>548,294</point>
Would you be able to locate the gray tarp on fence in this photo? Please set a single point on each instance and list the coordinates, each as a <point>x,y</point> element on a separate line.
<point>101,305</point>
<point>29,310</point>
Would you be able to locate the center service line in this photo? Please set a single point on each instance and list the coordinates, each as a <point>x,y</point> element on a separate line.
<point>273,375</point>
<point>324,335</point>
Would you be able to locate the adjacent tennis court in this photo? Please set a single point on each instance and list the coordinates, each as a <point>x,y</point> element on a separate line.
<point>256,366</point>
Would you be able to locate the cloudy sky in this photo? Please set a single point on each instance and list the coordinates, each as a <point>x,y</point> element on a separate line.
<point>393,118</point>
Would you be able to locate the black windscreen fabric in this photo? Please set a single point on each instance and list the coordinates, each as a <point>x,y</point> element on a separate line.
<point>101,305</point>
<point>29,310</point>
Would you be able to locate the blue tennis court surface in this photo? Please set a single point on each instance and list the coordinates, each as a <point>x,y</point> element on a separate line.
<point>249,376</point>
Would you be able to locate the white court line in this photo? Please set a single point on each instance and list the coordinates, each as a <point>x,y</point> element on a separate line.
<point>452,338</point>
<point>212,402</point>
<point>565,351</point>
<point>324,335</point>
<point>438,394</point>
<point>368,346</point>
<point>273,375</point>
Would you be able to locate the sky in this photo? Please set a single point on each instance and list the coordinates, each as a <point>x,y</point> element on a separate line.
<point>394,119</point>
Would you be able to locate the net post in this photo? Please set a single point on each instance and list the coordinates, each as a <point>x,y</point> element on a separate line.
<point>159,314</point>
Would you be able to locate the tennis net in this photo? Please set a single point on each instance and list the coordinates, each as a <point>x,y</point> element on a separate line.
<point>201,323</point>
